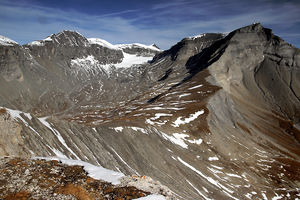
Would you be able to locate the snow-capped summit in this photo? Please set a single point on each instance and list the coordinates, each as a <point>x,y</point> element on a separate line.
<point>102,42</point>
<point>4,41</point>
<point>197,36</point>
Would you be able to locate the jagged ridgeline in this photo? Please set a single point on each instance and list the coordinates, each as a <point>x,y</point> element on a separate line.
<point>214,117</point>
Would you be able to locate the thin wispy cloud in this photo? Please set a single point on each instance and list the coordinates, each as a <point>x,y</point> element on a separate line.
<point>161,23</point>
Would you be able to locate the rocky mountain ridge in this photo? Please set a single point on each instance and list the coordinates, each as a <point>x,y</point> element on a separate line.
<point>214,117</point>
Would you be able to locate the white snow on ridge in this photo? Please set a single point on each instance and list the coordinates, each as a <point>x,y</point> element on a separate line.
<point>152,47</point>
<point>15,114</point>
<point>157,116</point>
<point>90,62</point>
<point>197,86</point>
<point>176,138</point>
<point>48,38</point>
<point>4,41</point>
<point>119,129</point>
<point>102,42</point>
<point>138,129</point>
<point>40,42</point>
<point>184,95</point>
<point>105,43</point>
<point>180,139</point>
<point>197,36</point>
<point>192,117</point>
<point>96,172</point>
<point>213,158</point>
<point>36,43</point>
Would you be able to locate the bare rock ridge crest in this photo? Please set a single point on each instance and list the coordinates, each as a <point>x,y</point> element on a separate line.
<point>214,117</point>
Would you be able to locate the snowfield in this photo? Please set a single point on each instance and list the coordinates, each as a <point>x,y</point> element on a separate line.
<point>131,59</point>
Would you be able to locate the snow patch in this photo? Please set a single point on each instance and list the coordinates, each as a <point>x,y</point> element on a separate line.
<point>278,197</point>
<point>213,158</point>
<point>163,108</point>
<point>138,129</point>
<point>176,138</point>
<point>233,175</point>
<point>184,95</point>
<point>194,141</point>
<point>152,197</point>
<point>156,117</point>
<point>36,43</point>
<point>197,36</point>
<point>87,60</point>
<point>192,117</point>
<point>40,42</point>
<point>131,59</point>
<point>197,86</point>
<point>119,129</point>
<point>123,46</point>
<point>96,172</point>
<point>180,139</point>
<point>16,114</point>
<point>103,43</point>
<point>4,41</point>
<point>48,38</point>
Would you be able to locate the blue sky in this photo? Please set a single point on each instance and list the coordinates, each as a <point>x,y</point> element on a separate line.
<point>145,21</point>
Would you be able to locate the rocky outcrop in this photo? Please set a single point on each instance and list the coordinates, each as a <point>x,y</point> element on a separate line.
<point>11,141</point>
<point>31,179</point>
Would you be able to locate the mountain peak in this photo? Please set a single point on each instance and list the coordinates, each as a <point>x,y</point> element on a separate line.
<point>5,41</point>
<point>69,32</point>
<point>71,38</point>
<point>154,45</point>
<point>65,37</point>
<point>256,27</point>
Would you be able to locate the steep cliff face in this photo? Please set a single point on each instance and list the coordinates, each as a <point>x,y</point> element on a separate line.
<point>214,117</point>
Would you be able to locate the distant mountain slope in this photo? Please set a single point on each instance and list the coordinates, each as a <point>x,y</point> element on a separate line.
<point>66,69</point>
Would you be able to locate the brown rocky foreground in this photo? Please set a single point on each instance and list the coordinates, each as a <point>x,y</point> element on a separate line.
<point>40,179</point>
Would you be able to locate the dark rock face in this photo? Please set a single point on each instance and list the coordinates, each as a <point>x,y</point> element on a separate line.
<point>67,45</point>
<point>216,116</point>
<point>190,46</point>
